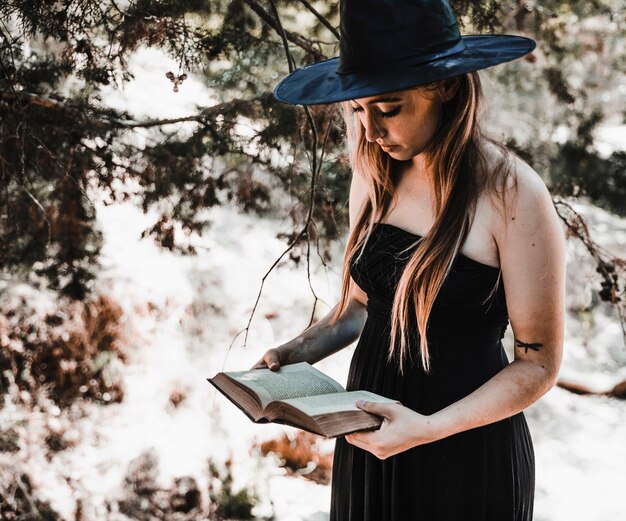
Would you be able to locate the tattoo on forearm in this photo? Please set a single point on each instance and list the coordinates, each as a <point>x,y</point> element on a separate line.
<point>526,347</point>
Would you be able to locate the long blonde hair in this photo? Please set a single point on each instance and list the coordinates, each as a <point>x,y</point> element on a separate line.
<point>460,173</point>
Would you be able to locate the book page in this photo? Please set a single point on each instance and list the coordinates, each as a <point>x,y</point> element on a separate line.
<point>291,381</point>
<point>315,405</point>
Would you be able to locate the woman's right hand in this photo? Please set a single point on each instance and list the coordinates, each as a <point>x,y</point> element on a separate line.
<point>319,340</point>
<point>273,359</point>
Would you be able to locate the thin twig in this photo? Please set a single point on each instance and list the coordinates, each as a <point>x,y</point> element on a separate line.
<point>308,275</point>
<point>258,297</point>
<point>277,25</point>
<point>283,37</point>
<point>577,226</point>
<point>294,38</point>
<point>321,18</point>
<point>324,143</point>
<point>314,171</point>
<point>319,169</point>
<point>326,266</point>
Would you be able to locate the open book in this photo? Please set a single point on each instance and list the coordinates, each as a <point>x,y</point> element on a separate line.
<point>301,396</point>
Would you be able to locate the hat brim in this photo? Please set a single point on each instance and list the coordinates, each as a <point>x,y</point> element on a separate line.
<point>320,83</point>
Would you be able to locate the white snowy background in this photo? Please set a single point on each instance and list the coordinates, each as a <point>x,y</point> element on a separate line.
<point>181,314</point>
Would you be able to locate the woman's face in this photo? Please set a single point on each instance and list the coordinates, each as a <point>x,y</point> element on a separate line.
<point>402,122</point>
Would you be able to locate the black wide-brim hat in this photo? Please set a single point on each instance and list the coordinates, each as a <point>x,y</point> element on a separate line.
<point>390,45</point>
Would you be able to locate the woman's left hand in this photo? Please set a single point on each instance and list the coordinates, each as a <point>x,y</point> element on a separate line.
<point>402,429</point>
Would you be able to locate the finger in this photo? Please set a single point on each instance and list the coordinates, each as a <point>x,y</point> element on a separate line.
<point>272,360</point>
<point>355,440</point>
<point>357,437</point>
<point>380,409</point>
<point>259,365</point>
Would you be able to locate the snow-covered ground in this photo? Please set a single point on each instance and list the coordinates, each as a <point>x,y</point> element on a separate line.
<point>181,314</point>
<point>201,303</point>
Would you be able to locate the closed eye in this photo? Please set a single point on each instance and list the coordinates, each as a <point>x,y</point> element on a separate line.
<point>389,114</point>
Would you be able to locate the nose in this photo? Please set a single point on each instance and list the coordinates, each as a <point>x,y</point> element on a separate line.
<point>373,128</point>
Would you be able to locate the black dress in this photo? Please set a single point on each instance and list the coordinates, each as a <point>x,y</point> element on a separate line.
<point>483,474</point>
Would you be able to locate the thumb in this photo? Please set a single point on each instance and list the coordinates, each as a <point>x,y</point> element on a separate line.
<point>272,359</point>
<point>380,409</point>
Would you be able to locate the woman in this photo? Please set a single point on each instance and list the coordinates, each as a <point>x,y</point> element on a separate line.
<point>451,238</point>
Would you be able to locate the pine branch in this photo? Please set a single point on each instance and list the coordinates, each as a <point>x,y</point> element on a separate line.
<point>208,113</point>
<point>79,116</point>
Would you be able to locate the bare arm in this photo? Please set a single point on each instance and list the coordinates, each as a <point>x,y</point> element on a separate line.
<point>532,258</point>
<point>322,339</point>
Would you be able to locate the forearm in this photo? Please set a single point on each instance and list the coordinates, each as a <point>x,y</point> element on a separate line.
<point>510,391</point>
<point>322,339</point>
<point>507,393</point>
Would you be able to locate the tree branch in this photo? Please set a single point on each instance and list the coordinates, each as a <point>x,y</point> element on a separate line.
<point>294,38</point>
<point>283,37</point>
<point>612,269</point>
<point>301,234</point>
<point>305,231</point>
<point>321,18</point>
<point>81,117</point>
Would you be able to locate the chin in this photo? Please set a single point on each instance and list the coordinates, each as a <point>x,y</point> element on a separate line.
<point>400,155</point>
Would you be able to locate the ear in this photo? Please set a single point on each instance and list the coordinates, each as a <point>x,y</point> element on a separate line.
<point>448,88</point>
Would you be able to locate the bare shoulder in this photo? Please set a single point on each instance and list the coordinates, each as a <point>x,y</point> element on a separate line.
<point>523,202</point>
<point>531,248</point>
<point>530,190</point>
<point>358,195</point>
<point>522,174</point>
<point>520,217</point>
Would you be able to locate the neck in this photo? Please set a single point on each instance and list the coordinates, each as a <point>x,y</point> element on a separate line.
<point>416,168</point>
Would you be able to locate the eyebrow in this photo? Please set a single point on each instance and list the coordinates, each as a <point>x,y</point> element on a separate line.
<point>383,99</point>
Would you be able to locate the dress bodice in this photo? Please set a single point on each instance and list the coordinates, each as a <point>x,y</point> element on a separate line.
<point>466,296</point>
<point>465,326</point>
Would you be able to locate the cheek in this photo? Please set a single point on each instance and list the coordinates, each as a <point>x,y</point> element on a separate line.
<point>420,129</point>
<point>431,118</point>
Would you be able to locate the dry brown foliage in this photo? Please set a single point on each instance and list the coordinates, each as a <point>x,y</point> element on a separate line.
<point>611,268</point>
<point>68,353</point>
<point>301,455</point>
<point>177,396</point>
